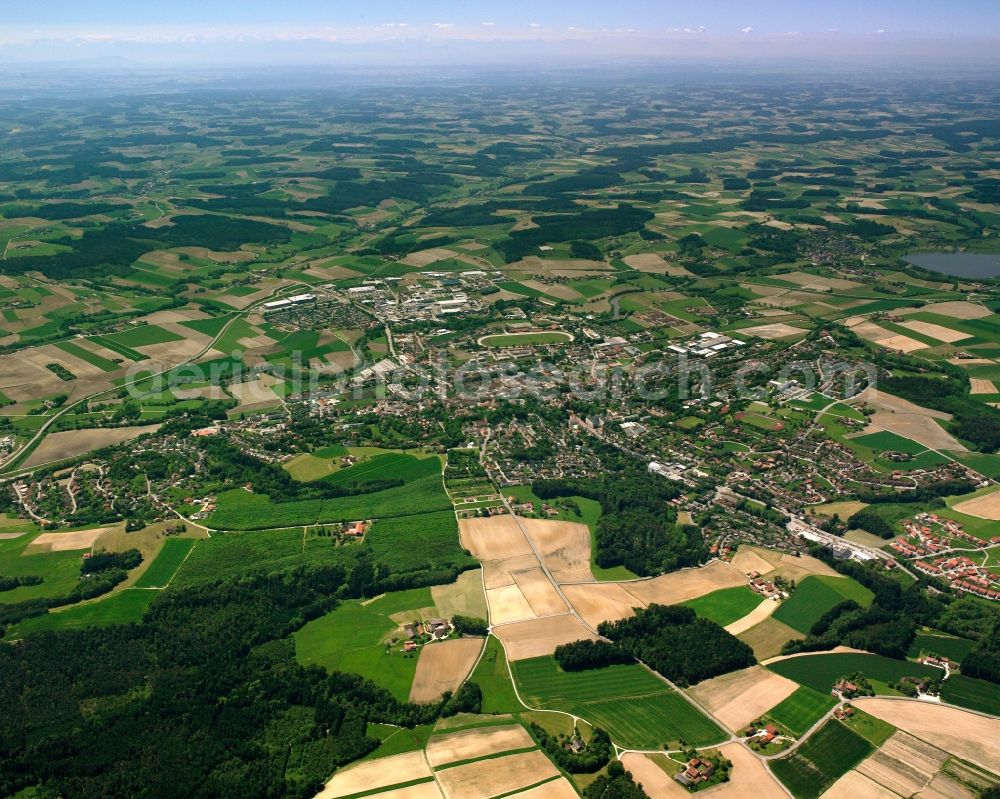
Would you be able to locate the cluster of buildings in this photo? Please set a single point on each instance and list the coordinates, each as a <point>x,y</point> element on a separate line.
<point>419,632</point>
<point>761,735</point>
<point>963,575</point>
<point>697,771</point>
<point>706,345</point>
<point>766,588</point>
<point>288,302</point>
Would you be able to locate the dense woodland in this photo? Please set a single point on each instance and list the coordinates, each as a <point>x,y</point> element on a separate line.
<point>637,528</point>
<point>673,641</point>
<point>204,698</point>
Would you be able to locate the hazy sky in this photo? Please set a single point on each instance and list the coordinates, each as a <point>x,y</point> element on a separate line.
<point>235,29</point>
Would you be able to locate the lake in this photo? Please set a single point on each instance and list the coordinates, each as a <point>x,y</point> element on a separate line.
<point>958,264</point>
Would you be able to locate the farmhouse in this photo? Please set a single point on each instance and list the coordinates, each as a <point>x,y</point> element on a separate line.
<point>698,770</point>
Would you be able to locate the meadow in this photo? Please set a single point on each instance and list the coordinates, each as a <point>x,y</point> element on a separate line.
<point>826,756</point>
<point>637,708</point>
<point>821,671</point>
<point>725,605</point>
<point>803,708</point>
<point>121,607</point>
<point>946,645</point>
<point>817,594</point>
<point>162,570</point>
<point>971,693</point>
<point>354,638</point>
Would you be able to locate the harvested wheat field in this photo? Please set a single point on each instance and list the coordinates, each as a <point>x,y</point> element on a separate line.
<point>647,262</point>
<point>883,401</point>
<point>964,734</point>
<point>836,650</point>
<point>767,638</point>
<point>424,790</point>
<point>443,666</point>
<point>754,617</point>
<point>489,778</point>
<point>956,309</point>
<point>917,427</point>
<point>597,602</point>
<point>750,776</point>
<point>67,542</point>
<point>464,597</point>
<point>680,586</point>
<point>554,789</point>
<point>537,637</point>
<point>495,538</point>
<point>939,332</point>
<point>857,786</point>
<point>984,507</point>
<point>742,696</point>
<point>845,508</point>
<point>767,561</point>
<point>498,573</point>
<point>539,592</point>
<point>565,548</point>
<point>654,780</point>
<point>427,257</point>
<point>70,443</point>
<point>476,743</point>
<point>771,332</point>
<point>381,773</point>
<point>508,604</point>
<point>903,764</point>
<point>981,386</point>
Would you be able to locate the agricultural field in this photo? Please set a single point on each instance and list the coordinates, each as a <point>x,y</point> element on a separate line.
<point>726,605</point>
<point>821,671</point>
<point>634,705</point>
<point>799,711</point>
<point>827,755</point>
<point>814,596</point>
<point>358,637</point>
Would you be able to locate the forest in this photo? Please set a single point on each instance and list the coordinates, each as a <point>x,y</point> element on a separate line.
<point>235,714</point>
<point>673,641</point>
<point>637,528</point>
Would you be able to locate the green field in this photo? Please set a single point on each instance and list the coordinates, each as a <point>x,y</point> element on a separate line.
<point>972,693</point>
<point>353,637</point>
<point>817,594</point>
<point>493,678</point>
<point>238,510</point>
<point>235,553</point>
<point>798,712</point>
<point>946,645</point>
<point>828,754</point>
<point>118,608</point>
<point>726,605</point>
<point>60,571</point>
<point>525,339</point>
<point>405,543</point>
<point>86,355</point>
<point>821,671</point>
<point>143,336</point>
<point>635,706</point>
<point>162,570</point>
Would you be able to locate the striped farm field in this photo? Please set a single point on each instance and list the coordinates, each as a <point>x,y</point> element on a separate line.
<point>798,712</point>
<point>163,568</point>
<point>827,755</point>
<point>636,707</point>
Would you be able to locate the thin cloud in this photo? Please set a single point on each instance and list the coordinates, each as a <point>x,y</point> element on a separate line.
<point>747,29</point>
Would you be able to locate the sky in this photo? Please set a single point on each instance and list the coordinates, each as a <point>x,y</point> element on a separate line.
<point>425,30</point>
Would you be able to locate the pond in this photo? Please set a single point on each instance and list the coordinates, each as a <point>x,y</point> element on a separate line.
<point>958,264</point>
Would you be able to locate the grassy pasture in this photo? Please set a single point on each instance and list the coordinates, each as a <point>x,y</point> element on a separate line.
<point>86,355</point>
<point>162,570</point>
<point>725,605</point>
<point>799,711</point>
<point>828,754</point>
<point>951,647</point>
<point>972,693</point>
<point>816,595</point>
<point>821,671</point>
<point>637,708</point>
<point>353,638</point>
<point>121,607</point>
